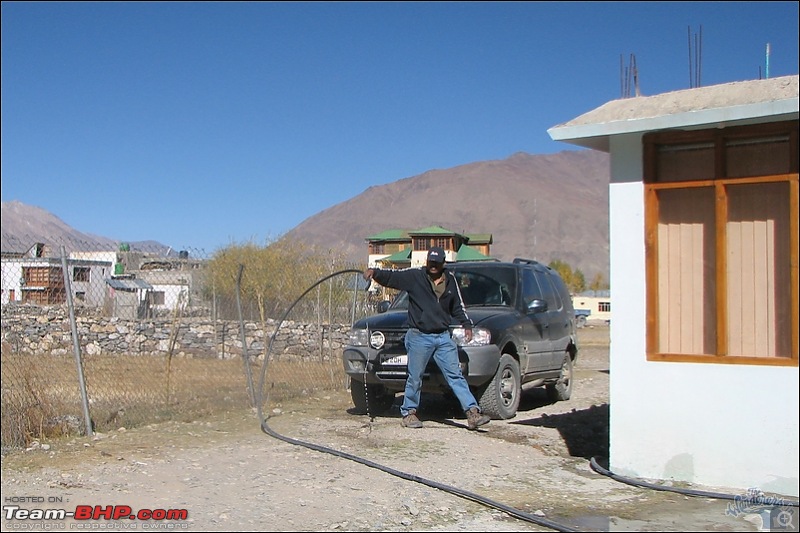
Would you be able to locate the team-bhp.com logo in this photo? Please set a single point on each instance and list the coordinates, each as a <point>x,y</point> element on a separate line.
<point>94,512</point>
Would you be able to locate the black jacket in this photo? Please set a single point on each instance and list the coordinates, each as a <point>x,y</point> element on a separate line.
<point>425,312</point>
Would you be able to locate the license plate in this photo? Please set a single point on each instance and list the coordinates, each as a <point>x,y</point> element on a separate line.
<point>397,360</point>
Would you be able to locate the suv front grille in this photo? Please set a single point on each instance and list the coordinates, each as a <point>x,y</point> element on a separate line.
<point>394,341</point>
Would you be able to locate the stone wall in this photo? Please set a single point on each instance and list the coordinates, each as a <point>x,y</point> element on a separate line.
<point>46,330</point>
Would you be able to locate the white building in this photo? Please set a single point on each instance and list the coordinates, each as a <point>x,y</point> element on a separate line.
<point>40,280</point>
<point>703,205</point>
<point>598,303</point>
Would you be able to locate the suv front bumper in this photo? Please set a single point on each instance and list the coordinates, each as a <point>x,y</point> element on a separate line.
<point>478,364</point>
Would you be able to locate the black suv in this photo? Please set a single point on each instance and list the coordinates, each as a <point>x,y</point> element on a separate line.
<point>524,336</point>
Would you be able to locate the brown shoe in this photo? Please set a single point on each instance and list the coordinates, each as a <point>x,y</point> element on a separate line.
<point>411,420</point>
<point>475,418</point>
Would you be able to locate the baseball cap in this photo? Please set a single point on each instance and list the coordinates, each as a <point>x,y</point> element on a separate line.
<point>436,255</point>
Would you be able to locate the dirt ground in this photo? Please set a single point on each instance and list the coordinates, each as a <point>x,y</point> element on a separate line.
<point>530,473</point>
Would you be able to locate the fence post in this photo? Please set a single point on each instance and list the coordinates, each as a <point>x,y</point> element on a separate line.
<point>76,346</point>
<point>245,356</point>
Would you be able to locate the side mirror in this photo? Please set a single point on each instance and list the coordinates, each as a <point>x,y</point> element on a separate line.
<point>537,306</point>
<point>384,306</point>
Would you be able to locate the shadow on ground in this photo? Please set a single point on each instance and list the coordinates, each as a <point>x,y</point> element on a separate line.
<point>585,431</point>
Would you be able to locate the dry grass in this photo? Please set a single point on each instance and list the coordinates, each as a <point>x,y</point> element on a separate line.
<point>41,394</point>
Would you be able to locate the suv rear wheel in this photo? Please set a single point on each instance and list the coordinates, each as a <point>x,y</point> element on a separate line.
<point>370,399</point>
<point>562,389</point>
<point>500,397</point>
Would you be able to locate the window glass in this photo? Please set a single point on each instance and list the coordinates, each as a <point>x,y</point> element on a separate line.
<point>80,274</point>
<point>530,288</point>
<point>548,292</point>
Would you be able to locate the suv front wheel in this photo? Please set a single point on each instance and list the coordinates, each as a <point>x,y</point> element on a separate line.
<point>499,398</point>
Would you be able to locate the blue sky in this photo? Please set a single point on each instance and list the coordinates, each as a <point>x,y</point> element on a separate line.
<point>202,124</point>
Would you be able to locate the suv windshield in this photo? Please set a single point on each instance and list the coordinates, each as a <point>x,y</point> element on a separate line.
<point>480,286</point>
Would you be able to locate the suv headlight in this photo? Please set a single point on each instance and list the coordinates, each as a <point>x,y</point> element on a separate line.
<point>358,337</point>
<point>480,337</point>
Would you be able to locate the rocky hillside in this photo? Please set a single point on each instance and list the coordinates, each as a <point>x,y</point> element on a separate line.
<point>23,225</point>
<point>543,207</point>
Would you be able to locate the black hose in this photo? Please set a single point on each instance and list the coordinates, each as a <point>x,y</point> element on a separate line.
<point>436,485</point>
<point>410,477</point>
<point>278,327</point>
<point>511,511</point>
<point>689,492</point>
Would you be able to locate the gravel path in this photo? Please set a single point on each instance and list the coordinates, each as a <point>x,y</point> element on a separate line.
<point>229,475</point>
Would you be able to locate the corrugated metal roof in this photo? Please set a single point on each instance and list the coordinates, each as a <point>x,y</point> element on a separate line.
<point>128,284</point>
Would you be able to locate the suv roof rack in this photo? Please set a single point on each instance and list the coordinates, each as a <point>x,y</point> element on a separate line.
<point>526,261</point>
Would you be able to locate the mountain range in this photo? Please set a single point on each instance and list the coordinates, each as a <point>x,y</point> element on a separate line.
<point>544,207</point>
<point>24,225</point>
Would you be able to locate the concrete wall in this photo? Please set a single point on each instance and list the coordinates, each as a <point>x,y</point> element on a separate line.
<point>717,425</point>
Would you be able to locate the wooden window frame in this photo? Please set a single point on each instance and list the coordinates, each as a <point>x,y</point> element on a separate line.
<point>81,273</point>
<point>718,182</point>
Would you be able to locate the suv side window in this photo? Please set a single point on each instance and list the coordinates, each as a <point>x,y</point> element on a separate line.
<point>548,292</point>
<point>561,290</point>
<point>530,289</point>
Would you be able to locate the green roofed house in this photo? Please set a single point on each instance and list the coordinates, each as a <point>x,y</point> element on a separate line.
<point>468,253</point>
<point>482,242</point>
<point>399,248</point>
<point>401,259</point>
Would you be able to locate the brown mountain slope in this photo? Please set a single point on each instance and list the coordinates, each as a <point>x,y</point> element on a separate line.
<point>543,207</point>
<point>23,225</point>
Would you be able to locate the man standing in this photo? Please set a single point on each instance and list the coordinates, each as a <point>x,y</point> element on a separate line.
<point>433,300</point>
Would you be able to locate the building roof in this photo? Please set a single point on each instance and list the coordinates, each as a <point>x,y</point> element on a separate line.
<point>405,235</point>
<point>745,102</point>
<point>468,253</point>
<point>479,238</point>
<point>128,284</point>
<point>432,230</point>
<point>390,235</point>
<point>403,256</point>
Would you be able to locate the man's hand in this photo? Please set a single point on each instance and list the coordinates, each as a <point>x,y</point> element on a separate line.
<point>368,274</point>
<point>467,336</point>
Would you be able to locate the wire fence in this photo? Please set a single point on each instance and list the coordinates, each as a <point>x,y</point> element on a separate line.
<point>97,339</point>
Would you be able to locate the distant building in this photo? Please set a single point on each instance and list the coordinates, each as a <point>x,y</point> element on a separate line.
<point>127,284</point>
<point>40,280</point>
<point>398,248</point>
<point>598,303</point>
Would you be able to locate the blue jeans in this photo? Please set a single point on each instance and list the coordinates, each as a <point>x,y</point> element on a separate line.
<point>420,348</point>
